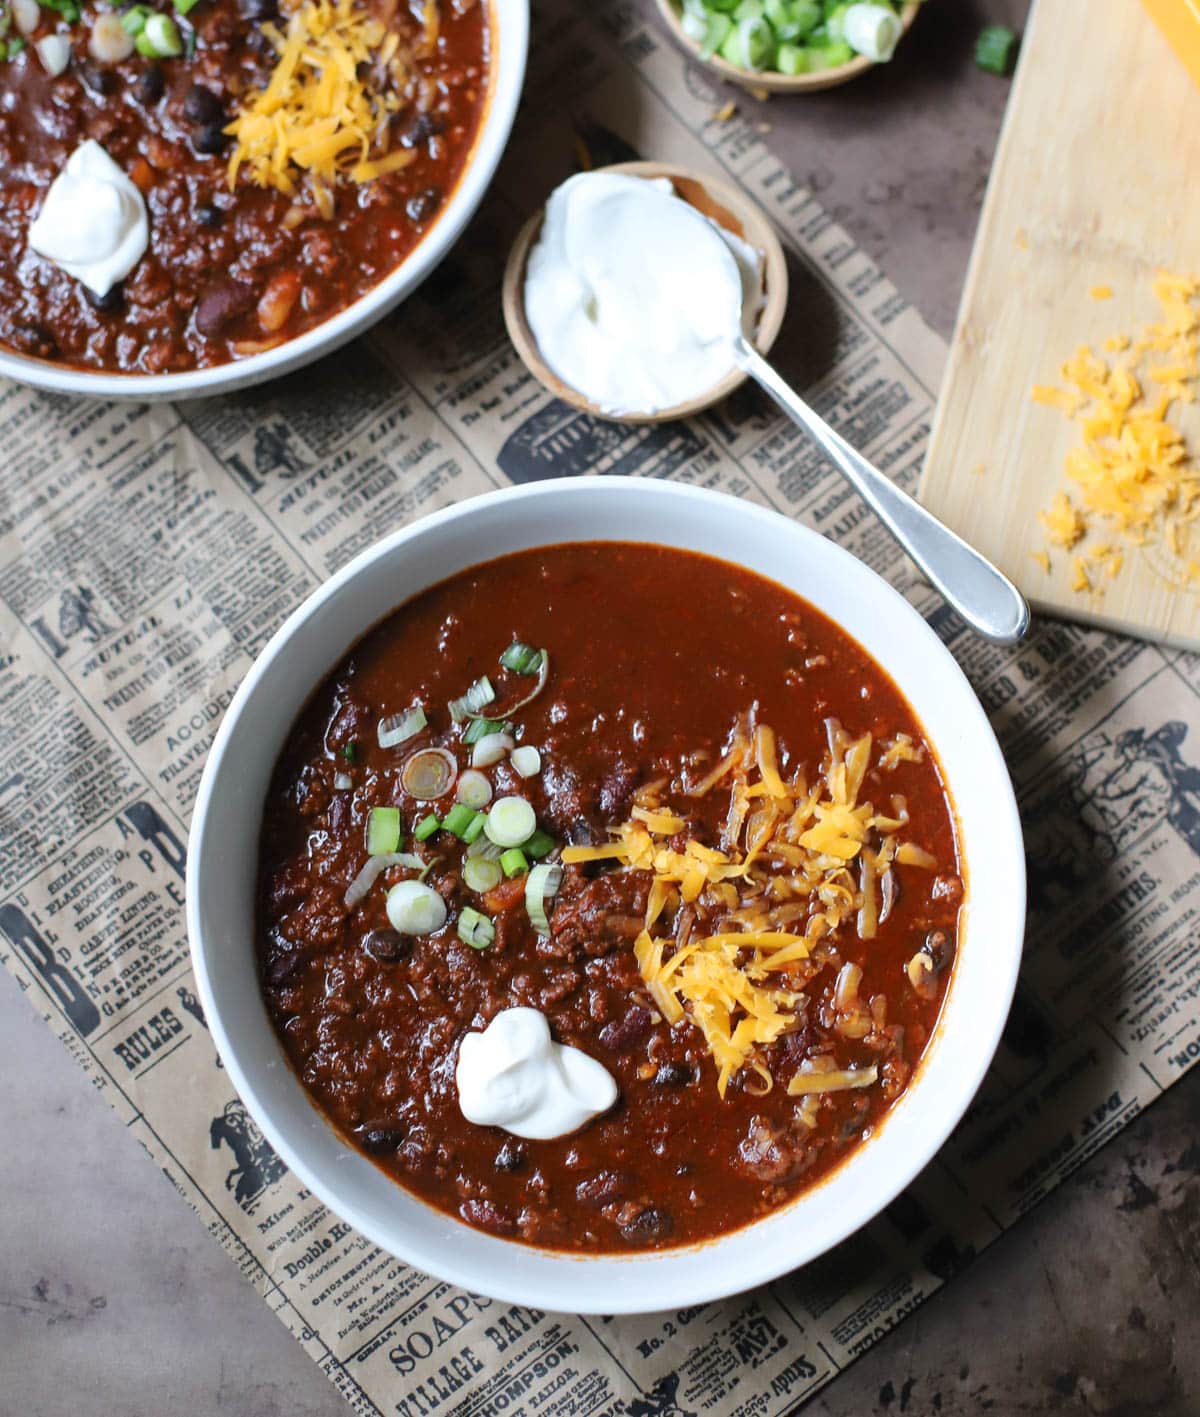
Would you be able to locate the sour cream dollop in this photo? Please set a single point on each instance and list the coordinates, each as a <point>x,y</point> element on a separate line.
<point>634,297</point>
<point>513,1075</point>
<point>93,223</point>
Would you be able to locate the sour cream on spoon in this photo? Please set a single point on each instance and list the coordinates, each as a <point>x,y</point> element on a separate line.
<point>513,1075</point>
<point>634,297</point>
<point>93,223</point>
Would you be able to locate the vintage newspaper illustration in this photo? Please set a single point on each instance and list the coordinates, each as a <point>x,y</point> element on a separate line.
<point>148,552</point>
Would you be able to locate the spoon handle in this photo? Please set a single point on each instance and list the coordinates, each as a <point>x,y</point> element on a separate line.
<point>984,597</point>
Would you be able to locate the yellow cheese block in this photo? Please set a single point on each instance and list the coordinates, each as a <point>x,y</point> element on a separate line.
<point>1179,20</point>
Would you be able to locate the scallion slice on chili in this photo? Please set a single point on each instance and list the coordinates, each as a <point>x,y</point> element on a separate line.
<point>526,760</point>
<point>521,658</point>
<point>134,19</point>
<point>429,774</point>
<point>511,821</point>
<point>481,847</point>
<point>475,929</point>
<point>491,748</point>
<point>514,862</point>
<point>477,697</point>
<point>542,885</point>
<point>473,788</point>
<point>539,844</point>
<point>474,828</point>
<point>400,727</point>
<point>183,7</point>
<point>350,750</point>
<point>482,727</point>
<point>426,827</point>
<point>414,908</point>
<point>342,782</point>
<point>159,38</point>
<point>360,887</point>
<point>383,831</point>
<point>459,818</point>
<point>481,875</point>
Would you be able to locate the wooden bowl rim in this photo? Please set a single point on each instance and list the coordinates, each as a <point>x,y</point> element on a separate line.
<point>778,83</point>
<point>756,228</point>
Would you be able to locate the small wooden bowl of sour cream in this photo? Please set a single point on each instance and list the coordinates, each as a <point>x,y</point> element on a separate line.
<point>769,80</point>
<point>721,204</point>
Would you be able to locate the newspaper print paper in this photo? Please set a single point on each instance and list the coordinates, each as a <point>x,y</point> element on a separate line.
<point>147,553</point>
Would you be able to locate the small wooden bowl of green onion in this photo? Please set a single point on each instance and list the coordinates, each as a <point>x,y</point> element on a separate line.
<point>788,46</point>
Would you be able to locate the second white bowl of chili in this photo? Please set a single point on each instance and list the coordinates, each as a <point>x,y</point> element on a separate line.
<point>672,1242</point>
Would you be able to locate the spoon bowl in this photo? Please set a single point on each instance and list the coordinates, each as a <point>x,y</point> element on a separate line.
<point>716,200</point>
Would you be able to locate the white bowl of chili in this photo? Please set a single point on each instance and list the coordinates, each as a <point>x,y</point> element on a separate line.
<point>210,307</point>
<point>223,890</point>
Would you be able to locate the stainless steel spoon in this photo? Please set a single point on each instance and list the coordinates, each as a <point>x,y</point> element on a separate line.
<point>985,598</point>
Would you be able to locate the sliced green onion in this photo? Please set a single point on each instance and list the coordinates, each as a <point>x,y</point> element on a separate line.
<point>473,788</point>
<point>54,51</point>
<point>526,760</point>
<point>383,831</point>
<point>716,32</point>
<point>539,844</point>
<point>511,821</point>
<point>872,30</point>
<point>350,750</point>
<point>477,697</point>
<point>426,827</point>
<point>694,25</point>
<point>514,862</point>
<point>183,7</point>
<point>491,748</point>
<point>521,658</point>
<point>459,818</point>
<point>481,848</point>
<point>543,673</point>
<point>542,885</point>
<point>482,727</point>
<point>134,19</point>
<point>414,908</point>
<point>429,774</point>
<point>68,9</point>
<point>400,727</point>
<point>482,875</point>
<point>475,929</point>
<point>159,38</point>
<point>792,59</point>
<point>829,56</point>
<point>360,887</point>
<point>474,828</point>
<point>994,49</point>
<point>750,44</point>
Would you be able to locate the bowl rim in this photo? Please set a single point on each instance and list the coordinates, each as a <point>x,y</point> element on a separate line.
<point>770,80</point>
<point>508,37</point>
<point>639,1289</point>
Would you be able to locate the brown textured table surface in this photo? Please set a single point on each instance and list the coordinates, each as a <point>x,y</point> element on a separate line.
<point>113,1299</point>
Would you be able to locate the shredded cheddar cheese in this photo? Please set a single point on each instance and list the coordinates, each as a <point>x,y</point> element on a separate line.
<point>1132,473</point>
<point>324,112</point>
<point>796,864</point>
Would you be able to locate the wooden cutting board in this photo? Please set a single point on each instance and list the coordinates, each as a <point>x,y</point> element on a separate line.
<point>1096,182</point>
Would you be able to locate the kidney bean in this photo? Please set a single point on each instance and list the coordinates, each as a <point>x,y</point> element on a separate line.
<point>222,303</point>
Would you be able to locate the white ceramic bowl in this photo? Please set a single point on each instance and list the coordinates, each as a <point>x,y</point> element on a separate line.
<point>509,39</point>
<point>223,861</point>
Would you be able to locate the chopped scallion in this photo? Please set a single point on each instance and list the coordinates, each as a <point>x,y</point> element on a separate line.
<point>350,751</point>
<point>400,727</point>
<point>539,844</point>
<point>474,828</point>
<point>159,38</point>
<point>994,49</point>
<point>383,831</point>
<point>473,788</point>
<point>521,658</point>
<point>475,929</point>
<point>414,908</point>
<point>481,728</point>
<point>481,874</point>
<point>477,697</point>
<point>526,760</point>
<point>426,827</point>
<point>514,862</point>
<point>510,822</point>
<point>133,21</point>
<point>542,885</point>
<point>183,7</point>
<point>459,818</point>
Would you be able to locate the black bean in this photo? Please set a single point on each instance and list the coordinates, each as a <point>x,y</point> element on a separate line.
<point>258,10</point>
<point>102,82</point>
<point>510,1157</point>
<point>623,1035</point>
<point>281,967</point>
<point>674,1075</point>
<point>381,1138</point>
<point>113,299</point>
<point>601,1189</point>
<point>151,84</point>
<point>201,105</point>
<point>386,945</point>
<point>211,137</point>
<point>222,302</point>
<point>424,204</point>
<point>209,215</point>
